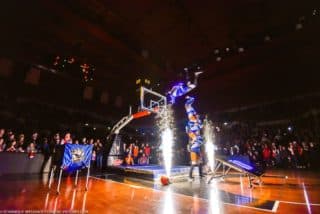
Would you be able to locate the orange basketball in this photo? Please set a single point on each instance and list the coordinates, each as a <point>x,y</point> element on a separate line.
<point>164,180</point>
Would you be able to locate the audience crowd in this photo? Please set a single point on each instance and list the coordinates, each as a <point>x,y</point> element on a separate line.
<point>270,148</point>
<point>49,146</point>
<point>285,148</point>
<point>136,153</point>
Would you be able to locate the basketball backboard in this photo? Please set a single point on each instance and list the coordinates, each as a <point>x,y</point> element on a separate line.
<point>152,101</point>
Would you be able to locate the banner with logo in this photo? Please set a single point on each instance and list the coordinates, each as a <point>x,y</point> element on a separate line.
<point>76,157</point>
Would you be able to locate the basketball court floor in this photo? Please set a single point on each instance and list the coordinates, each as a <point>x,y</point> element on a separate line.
<point>111,193</point>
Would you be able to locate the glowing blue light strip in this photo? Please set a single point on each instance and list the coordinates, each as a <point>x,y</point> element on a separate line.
<point>239,163</point>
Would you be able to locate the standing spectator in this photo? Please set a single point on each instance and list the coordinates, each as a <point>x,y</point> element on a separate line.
<point>31,150</point>
<point>299,155</point>
<point>12,146</point>
<point>2,145</point>
<point>67,139</point>
<point>284,156</point>
<point>143,160</point>
<point>313,155</point>
<point>93,158</point>
<point>128,157</point>
<point>147,151</point>
<point>292,156</point>
<point>46,148</point>
<point>34,140</point>
<point>135,154</point>
<point>84,141</point>
<point>306,155</point>
<point>21,144</point>
<point>91,141</point>
<point>58,151</point>
<point>275,155</point>
<point>99,153</point>
<point>266,153</point>
<point>2,132</point>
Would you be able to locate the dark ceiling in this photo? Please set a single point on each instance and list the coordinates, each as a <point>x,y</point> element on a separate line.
<point>127,39</point>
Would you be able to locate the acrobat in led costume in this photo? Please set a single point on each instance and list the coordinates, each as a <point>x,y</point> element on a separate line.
<point>182,89</point>
<point>193,129</point>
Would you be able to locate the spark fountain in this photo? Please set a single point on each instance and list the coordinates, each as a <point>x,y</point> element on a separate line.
<point>209,138</point>
<point>165,124</point>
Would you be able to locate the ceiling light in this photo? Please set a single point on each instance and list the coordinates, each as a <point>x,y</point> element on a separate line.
<point>299,26</point>
<point>267,38</point>
<point>314,12</point>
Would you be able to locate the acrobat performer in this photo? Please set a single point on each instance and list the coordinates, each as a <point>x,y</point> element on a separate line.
<point>183,88</point>
<point>193,130</point>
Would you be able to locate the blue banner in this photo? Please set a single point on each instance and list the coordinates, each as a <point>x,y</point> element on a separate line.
<point>76,157</point>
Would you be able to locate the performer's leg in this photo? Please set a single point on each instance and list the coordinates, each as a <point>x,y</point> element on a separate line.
<point>200,170</point>
<point>193,157</point>
<point>196,74</point>
<point>191,171</point>
<point>172,99</point>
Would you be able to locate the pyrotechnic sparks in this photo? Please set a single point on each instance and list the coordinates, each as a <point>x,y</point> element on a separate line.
<point>165,124</point>
<point>167,141</point>
<point>209,142</point>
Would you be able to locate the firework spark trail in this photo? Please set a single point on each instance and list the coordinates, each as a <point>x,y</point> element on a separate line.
<point>165,125</point>
<point>209,145</point>
<point>167,141</point>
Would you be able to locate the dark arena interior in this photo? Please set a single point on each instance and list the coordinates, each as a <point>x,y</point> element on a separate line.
<point>175,106</point>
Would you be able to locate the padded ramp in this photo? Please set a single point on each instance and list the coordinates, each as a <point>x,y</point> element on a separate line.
<point>242,164</point>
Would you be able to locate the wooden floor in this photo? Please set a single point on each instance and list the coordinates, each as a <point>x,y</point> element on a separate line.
<point>300,193</point>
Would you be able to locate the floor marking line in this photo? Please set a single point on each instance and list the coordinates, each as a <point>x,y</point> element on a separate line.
<point>179,194</point>
<point>275,206</point>
<point>298,203</point>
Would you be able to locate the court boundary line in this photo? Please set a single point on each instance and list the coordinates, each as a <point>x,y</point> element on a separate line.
<point>188,196</point>
<point>275,206</point>
<point>298,203</point>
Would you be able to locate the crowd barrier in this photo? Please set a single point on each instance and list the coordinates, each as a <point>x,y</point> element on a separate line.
<point>20,163</point>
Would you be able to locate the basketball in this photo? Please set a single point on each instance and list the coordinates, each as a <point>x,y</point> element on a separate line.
<point>164,180</point>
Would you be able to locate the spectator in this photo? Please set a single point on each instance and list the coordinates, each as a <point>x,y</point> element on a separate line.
<point>67,139</point>
<point>99,153</point>
<point>266,154</point>
<point>135,154</point>
<point>147,151</point>
<point>143,160</point>
<point>2,132</point>
<point>84,141</point>
<point>34,140</point>
<point>284,156</point>
<point>93,158</point>
<point>31,150</point>
<point>128,157</point>
<point>12,146</point>
<point>2,145</point>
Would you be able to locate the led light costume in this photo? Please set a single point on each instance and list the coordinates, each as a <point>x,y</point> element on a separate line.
<point>193,129</point>
<point>182,89</point>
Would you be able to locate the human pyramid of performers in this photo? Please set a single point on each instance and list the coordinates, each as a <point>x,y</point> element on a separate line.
<point>194,124</point>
